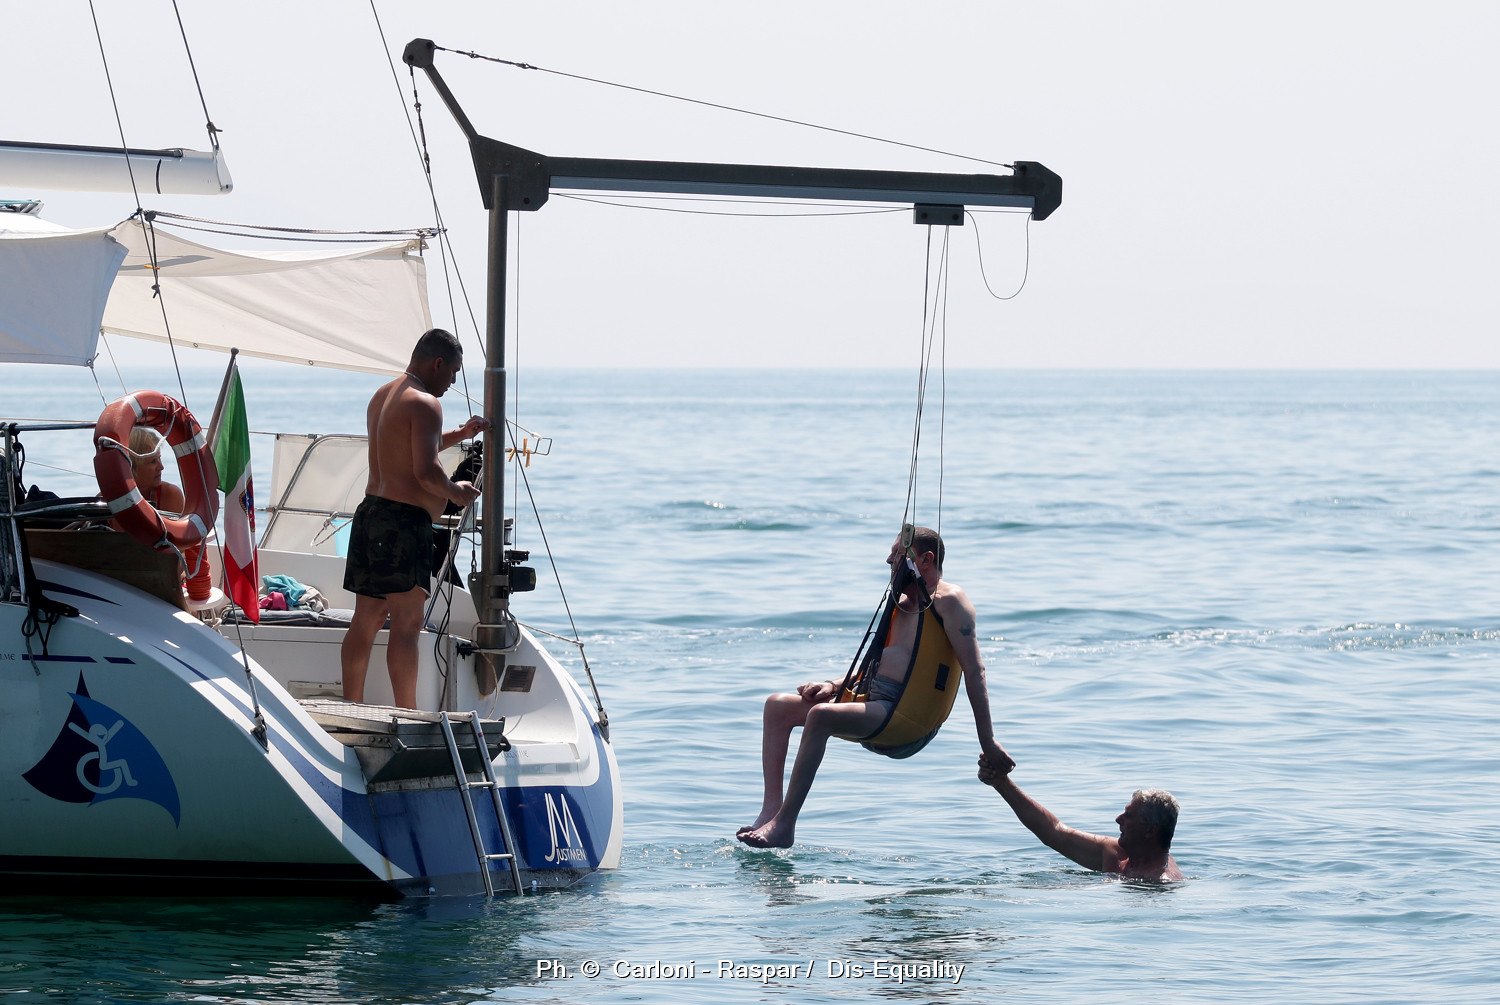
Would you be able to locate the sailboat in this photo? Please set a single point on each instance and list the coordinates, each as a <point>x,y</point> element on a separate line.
<point>151,743</point>
<point>147,747</point>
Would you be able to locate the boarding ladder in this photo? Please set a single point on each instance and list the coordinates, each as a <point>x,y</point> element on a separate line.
<point>483,854</point>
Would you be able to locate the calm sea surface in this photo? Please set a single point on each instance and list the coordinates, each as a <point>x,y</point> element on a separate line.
<point>1271,593</point>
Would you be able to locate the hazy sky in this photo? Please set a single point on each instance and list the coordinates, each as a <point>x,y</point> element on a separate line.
<point>1306,184</point>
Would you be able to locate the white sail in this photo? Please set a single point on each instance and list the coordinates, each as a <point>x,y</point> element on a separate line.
<point>350,310</point>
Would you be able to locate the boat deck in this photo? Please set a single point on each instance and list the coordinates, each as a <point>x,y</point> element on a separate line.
<point>402,744</point>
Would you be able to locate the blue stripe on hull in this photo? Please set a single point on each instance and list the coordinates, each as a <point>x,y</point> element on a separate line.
<point>424,832</point>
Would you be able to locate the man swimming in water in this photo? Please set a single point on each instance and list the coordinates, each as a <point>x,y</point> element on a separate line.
<point>389,567</point>
<point>812,706</point>
<point>1140,852</point>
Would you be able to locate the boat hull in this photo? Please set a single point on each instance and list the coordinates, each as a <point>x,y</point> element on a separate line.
<point>132,759</point>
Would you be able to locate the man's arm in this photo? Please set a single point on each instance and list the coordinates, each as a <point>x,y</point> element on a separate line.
<point>958,621</point>
<point>1089,850</point>
<point>476,425</point>
<point>372,423</point>
<point>426,441</point>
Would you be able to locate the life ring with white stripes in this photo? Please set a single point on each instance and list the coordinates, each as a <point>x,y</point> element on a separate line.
<point>195,466</point>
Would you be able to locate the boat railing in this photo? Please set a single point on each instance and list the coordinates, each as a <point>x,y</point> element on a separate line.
<point>14,499</point>
<point>34,518</point>
<point>317,481</point>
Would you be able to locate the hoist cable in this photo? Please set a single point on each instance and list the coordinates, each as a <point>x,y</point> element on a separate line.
<point>722,107</point>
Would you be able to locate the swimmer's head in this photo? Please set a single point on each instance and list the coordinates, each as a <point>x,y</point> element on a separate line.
<point>1153,809</point>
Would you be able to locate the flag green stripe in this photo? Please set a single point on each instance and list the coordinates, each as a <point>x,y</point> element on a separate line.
<point>232,442</point>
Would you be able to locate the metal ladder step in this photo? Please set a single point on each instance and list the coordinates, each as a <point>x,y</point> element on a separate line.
<point>461,779</point>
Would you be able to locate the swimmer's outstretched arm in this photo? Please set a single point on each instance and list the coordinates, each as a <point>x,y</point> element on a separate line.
<point>1089,850</point>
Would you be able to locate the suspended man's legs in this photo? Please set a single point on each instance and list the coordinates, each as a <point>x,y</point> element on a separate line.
<point>777,824</point>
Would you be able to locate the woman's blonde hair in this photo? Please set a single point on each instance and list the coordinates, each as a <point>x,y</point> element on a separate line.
<point>144,442</point>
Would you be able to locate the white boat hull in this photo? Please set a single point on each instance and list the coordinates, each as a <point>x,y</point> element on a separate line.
<point>130,761</point>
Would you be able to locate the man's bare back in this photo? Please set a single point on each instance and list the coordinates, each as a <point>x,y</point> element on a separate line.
<point>404,422</point>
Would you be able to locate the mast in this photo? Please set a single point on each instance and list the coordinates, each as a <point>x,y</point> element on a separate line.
<point>492,592</point>
<point>512,178</point>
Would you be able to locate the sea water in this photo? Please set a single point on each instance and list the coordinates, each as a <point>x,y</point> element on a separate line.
<point>1271,593</point>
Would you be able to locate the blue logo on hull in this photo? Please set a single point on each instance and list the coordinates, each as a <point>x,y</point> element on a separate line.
<point>99,755</point>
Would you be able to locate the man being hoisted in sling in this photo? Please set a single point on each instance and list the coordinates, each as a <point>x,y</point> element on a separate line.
<point>902,695</point>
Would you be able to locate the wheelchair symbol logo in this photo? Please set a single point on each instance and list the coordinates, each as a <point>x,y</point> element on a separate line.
<point>99,755</point>
<point>100,736</point>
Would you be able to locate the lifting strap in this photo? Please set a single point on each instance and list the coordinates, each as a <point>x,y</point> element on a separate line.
<point>929,683</point>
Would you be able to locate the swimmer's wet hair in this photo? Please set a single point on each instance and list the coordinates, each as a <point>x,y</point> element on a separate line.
<point>1159,809</point>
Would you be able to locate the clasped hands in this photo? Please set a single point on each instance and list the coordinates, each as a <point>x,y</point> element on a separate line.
<point>817,692</point>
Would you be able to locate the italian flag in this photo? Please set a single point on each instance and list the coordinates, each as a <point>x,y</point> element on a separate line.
<point>232,455</point>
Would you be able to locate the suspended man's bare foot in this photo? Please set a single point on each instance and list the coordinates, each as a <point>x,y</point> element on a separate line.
<point>771,835</point>
<point>766,816</point>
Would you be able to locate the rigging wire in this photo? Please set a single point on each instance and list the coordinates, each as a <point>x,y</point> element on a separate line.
<point>934,319</point>
<point>213,130</point>
<point>934,307</point>
<point>110,349</point>
<point>732,200</point>
<point>445,244</point>
<point>148,228</point>
<point>940,322</point>
<point>418,131</point>
<point>907,512</point>
<point>979,249</point>
<point>419,139</point>
<point>707,212</point>
<point>722,107</point>
<point>140,212</point>
<point>274,233</point>
<point>562,593</point>
<point>271,237</point>
<point>943,387</point>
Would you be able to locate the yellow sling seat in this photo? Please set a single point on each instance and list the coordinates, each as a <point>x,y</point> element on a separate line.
<point>928,688</point>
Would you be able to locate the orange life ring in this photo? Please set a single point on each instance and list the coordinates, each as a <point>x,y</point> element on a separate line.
<point>195,466</point>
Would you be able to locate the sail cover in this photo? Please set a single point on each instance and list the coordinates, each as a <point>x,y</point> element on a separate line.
<point>53,286</point>
<point>351,310</point>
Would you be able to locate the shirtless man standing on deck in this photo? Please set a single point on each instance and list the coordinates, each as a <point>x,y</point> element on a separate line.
<point>389,567</point>
<point>812,706</point>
